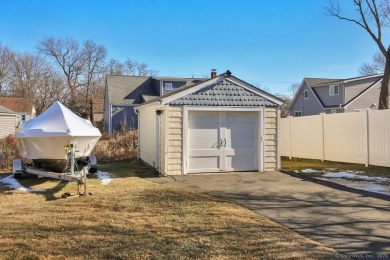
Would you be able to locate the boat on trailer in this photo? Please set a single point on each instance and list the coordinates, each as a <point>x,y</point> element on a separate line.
<point>57,144</point>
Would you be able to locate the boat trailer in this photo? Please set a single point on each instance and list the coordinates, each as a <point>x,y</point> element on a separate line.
<point>75,170</point>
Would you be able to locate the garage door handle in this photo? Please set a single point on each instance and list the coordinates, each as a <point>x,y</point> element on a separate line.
<point>224,142</point>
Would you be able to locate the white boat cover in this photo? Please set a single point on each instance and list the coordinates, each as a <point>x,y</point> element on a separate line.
<point>45,136</point>
<point>58,120</point>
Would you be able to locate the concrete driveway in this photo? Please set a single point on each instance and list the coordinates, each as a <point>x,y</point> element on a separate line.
<point>355,223</point>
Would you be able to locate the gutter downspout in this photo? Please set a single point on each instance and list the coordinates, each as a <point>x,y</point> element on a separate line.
<point>138,134</point>
<point>110,121</point>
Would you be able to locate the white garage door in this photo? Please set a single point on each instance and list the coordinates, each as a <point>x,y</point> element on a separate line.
<point>222,141</point>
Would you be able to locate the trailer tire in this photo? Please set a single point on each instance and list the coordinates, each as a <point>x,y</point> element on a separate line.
<point>93,170</point>
<point>17,175</point>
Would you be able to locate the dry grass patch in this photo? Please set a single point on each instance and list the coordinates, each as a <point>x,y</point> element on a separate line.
<point>296,164</point>
<point>120,146</point>
<point>132,218</point>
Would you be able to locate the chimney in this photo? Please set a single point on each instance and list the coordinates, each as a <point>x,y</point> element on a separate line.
<point>213,73</point>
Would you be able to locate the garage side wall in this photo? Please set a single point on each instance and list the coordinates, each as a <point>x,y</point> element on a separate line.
<point>147,138</point>
<point>271,157</point>
<point>174,145</point>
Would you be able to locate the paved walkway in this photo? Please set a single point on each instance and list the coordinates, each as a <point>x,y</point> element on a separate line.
<point>354,222</point>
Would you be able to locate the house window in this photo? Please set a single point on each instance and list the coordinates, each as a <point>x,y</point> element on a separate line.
<point>168,86</point>
<point>23,118</point>
<point>305,94</point>
<point>333,111</point>
<point>297,113</point>
<point>333,90</point>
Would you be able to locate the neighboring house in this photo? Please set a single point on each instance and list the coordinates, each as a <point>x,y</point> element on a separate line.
<point>122,93</point>
<point>22,106</point>
<point>7,122</point>
<point>219,125</point>
<point>317,95</point>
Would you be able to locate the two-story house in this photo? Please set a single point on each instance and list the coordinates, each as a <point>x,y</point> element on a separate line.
<point>319,95</point>
<point>122,93</point>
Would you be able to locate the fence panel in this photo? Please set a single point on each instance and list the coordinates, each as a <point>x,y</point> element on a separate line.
<point>362,137</point>
<point>306,141</point>
<point>379,133</point>
<point>345,137</point>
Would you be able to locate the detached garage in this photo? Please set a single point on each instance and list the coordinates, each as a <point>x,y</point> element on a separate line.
<point>221,125</point>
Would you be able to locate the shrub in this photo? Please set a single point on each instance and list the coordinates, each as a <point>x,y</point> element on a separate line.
<point>8,152</point>
<point>118,147</point>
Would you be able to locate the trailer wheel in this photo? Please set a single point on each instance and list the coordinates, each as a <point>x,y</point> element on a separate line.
<point>17,175</point>
<point>93,170</point>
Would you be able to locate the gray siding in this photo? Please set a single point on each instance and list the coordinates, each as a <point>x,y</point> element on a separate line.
<point>366,100</point>
<point>120,114</point>
<point>352,89</point>
<point>328,100</point>
<point>309,106</point>
<point>175,85</point>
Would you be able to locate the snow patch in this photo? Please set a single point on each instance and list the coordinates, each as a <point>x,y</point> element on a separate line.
<point>350,175</point>
<point>309,171</point>
<point>104,177</point>
<point>12,183</point>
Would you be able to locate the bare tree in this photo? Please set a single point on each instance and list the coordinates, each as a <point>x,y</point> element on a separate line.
<point>6,58</point>
<point>33,78</point>
<point>372,16</point>
<point>93,56</point>
<point>52,88</point>
<point>376,66</point>
<point>294,87</point>
<point>115,67</point>
<point>66,54</point>
<point>130,68</point>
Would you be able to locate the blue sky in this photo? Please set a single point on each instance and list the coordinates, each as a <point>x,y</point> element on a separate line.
<point>267,43</point>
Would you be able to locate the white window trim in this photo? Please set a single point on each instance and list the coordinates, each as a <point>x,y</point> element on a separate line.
<point>332,93</point>
<point>166,84</point>
<point>295,113</point>
<point>306,94</point>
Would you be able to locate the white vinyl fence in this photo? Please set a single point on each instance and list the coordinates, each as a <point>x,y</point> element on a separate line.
<point>360,137</point>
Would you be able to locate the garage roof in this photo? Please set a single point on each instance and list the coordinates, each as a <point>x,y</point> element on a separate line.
<point>224,93</point>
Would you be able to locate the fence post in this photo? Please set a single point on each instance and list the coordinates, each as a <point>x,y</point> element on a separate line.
<point>367,138</point>
<point>322,137</point>
<point>290,141</point>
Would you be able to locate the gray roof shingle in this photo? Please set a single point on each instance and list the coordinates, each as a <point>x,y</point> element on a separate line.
<point>224,93</point>
<point>128,90</point>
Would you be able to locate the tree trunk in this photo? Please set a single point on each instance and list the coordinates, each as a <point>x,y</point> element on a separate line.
<point>384,95</point>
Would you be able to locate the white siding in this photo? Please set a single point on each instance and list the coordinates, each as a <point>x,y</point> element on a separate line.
<point>147,135</point>
<point>7,124</point>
